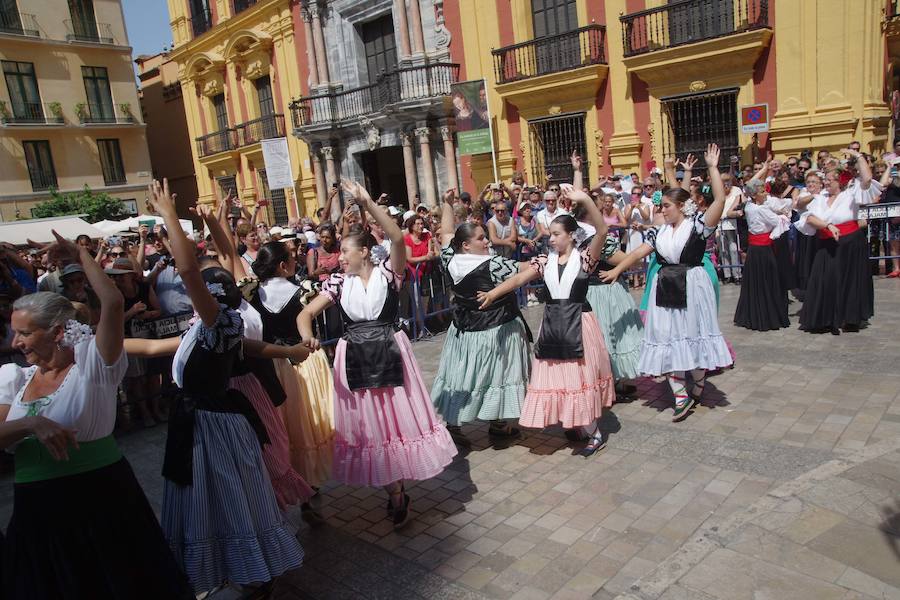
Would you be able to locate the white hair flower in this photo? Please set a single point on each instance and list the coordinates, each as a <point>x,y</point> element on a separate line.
<point>215,289</point>
<point>579,235</point>
<point>75,333</point>
<point>689,209</point>
<point>378,254</point>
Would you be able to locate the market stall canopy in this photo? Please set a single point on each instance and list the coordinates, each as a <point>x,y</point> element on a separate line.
<point>39,230</point>
<point>113,227</point>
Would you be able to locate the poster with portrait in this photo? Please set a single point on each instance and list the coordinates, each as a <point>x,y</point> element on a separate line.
<point>473,119</point>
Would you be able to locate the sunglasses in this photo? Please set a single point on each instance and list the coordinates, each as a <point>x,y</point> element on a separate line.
<point>651,186</point>
<point>116,254</point>
<point>792,164</point>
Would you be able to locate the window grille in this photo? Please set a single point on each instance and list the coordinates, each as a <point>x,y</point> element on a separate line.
<point>552,141</point>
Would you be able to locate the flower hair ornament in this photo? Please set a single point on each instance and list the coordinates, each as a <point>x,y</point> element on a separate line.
<point>215,289</point>
<point>579,235</point>
<point>689,209</point>
<point>75,333</point>
<point>378,254</point>
<point>657,198</point>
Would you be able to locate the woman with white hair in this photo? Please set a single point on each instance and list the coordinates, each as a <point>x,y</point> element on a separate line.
<point>81,525</point>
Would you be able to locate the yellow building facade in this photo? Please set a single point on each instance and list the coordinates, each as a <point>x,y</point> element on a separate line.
<point>69,113</point>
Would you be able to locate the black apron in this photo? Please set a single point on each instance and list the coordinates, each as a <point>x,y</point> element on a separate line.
<point>278,328</point>
<point>467,314</point>
<point>671,279</point>
<point>372,357</point>
<point>561,336</point>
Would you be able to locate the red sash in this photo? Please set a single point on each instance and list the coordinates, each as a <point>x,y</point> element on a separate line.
<point>760,239</point>
<point>845,228</point>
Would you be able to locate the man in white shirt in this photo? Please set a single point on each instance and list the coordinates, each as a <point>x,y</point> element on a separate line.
<point>728,233</point>
<point>546,216</point>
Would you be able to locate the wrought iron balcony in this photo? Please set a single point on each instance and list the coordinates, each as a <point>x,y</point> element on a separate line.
<point>551,54</point>
<point>688,21</point>
<point>84,30</point>
<point>95,114</point>
<point>263,128</point>
<point>12,22</point>
<point>408,84</point>
<point>201,22</point>
<point>218,141</point>
<point>241,5</point>
<point>34,113</point>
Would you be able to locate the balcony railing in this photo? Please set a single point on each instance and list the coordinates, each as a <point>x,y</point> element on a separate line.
<point>218,141</point>
<point>551,54</point>
<point>201,22</point>
<point>410,84</point>
<point>263,128</point>
<point>893,10</point>
<point>15,23</point>
<point>27,113</point>
<point>241,5</point>
<point>689,21</point>
<point>83,30</point>
<point>92,113</point>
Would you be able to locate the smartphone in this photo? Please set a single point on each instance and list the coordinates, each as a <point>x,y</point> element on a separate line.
<point>235,212</point>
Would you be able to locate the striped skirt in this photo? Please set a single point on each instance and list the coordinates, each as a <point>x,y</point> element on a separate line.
<point>226,526</point>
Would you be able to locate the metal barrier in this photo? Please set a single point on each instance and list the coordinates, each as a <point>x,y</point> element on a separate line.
<point>877,212</point>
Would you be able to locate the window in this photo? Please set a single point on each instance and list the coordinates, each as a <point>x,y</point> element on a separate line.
<point>264,95</point>
<point>111,162</point>
<point>84,23</point>
<point>552,142</point>
<point>201,17</point>
<point>23,91</point>
<point>694,120</point>
<point>131,206</point>
<point>552,17</point>
<point>10,21</point>
<point>381,51</point>
<point>227,184</point>
<point>277,209</point>
<point>699,20</point>
<point>99,97</point>
<point>220,111</point>
<point>40,165</point>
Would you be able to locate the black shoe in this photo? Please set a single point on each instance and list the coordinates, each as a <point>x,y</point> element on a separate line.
<point>390,505</point>
<point>626,389</point>
<point>596,445</point>
<point>458,437</point>
<point>851,328</point>
<point>401,515</point>
<point>311,516</point>
<point>505,430</point>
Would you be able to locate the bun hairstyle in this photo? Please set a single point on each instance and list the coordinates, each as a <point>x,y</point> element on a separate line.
<point>464,233</point>
<point>568,223</point>
<point>269,256</point>
<point>677,195</point>
<point>231,295</point>
<point>360,239</point>
<point>47,309</point>
<point>579,212</point>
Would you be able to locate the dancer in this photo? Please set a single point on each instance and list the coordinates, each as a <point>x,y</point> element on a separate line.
<point>839,293</point>
<point>682,330</point>
<point>486,358</point>
<point>805,252</point>
<point>385,426</point>
<point>219,511</point>
<point>571,380</point>
<point>763,304</point>
<point>81,526</point>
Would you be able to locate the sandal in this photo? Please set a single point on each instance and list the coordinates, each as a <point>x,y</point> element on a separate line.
<point>596,444</point>
<point>682,412</point>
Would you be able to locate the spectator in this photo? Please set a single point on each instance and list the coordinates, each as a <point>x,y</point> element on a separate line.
<point>822,159</point>
<point>19,268</point>
<point>546,216</point>
<point>895,154</point>
<point>251,240</point>
<point>76,289</point>
<point>322,261</point>
<point>502,231</point>
<point>169,288</point>
<point>728,233</point>
<point>419,254</point>
<point>526,233</point>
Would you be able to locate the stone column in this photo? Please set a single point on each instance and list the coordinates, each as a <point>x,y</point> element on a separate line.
<point>449,157</point>
<point>418,36</point>
<point>331,178</point>
<point>319,172</point>
<point>409,168</point>
<point>423,134</point>
<point>310,48</point>
<point>319,38</point>
<point>403,22</point>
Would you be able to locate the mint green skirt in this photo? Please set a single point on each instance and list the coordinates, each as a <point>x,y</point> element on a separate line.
<point>482,374</point>
<point>621,325</point>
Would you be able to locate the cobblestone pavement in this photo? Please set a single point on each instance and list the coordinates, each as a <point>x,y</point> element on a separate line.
<point>785,484</point>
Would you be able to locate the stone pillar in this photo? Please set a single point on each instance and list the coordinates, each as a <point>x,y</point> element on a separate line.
<point>409,168</point>
<point>310,49</point>
<point>403,22</point>
<point>331,178</point>
<point>319,38</point>
<point>418,35</point>
<point>321,184</point>
<point>449,157</point>
<point>423,134</point>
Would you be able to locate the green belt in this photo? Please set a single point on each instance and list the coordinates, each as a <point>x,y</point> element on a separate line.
<point>34,462</point>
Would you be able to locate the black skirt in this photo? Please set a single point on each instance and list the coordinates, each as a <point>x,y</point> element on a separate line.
<point>91,535</point>
<point>763,304</point>
<point>786,275</point>
<point>803,260</point>
<point>839,291</point>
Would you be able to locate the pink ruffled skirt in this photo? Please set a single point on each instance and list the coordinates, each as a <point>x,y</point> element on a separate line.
<point>387,434</point>
<point>571,392</point>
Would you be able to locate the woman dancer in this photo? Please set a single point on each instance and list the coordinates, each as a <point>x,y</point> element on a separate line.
<point>485,361</point>
<point>219,510</point>
<point>839,294</point>
<point>385,426</point>
<point>762,305</point>
<point>81,525</point>
<point>571,379</point>
<point>806,244</point>
<point>682,330</point>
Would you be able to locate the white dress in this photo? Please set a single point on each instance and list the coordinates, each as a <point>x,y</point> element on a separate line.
<point>681,339</point>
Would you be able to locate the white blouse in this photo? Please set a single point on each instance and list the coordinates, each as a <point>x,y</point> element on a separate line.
<point>844,208</point>
<point>760,218</point>
<point>85,400</point>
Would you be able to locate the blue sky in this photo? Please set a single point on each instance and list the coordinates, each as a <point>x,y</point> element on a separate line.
<point>147,22</point>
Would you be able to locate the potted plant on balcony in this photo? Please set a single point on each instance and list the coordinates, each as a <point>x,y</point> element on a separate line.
<point>81,111</point>
<point>56,111</point>
<point>125,108</point>
<point>4,112</point>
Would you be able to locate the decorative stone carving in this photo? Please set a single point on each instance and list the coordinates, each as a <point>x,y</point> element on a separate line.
<point>651,133</point>
<point>406,138</point>
<point>373,136</point>
<point>312,6</point>
<point>213,86</point>
<point>697,86</point>
<point>423,134</point>
<point>304,14</point>
<point>442,34</point>
<point>554,110</point>
<point>598,139</point>
<point>446,133</point>
<point>327,152</point>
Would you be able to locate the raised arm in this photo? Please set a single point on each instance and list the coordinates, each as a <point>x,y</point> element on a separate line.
<point>142,242</point>
<point>332,194</point>
<point>448,223</point>
<point>577,175</point>
<point>391,230</point>
<point>763,172</point>
<point>669,170</point>
<point>227,252</point>
<point>862,165</point>
<point>599,240</point>
<point>183,252</point>
<point>688,164</point>
<point>714,211</point>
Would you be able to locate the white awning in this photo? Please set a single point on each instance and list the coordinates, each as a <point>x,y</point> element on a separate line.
<point>133,223</point>
<point>39,230</point>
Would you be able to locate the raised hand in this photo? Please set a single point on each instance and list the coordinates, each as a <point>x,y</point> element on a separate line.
<point>568,191</point>
<point>450,196</point>
<point>63,251</point>
<point>576,160</point>
<point>712,155</point>
<point>161,200</point>
<point>689,162</point>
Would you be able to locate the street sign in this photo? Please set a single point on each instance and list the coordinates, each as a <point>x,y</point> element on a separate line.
<point>755,118</point>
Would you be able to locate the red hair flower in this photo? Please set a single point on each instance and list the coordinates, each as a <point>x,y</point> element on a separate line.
<point>768,187</point>
<point>845,178</point>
